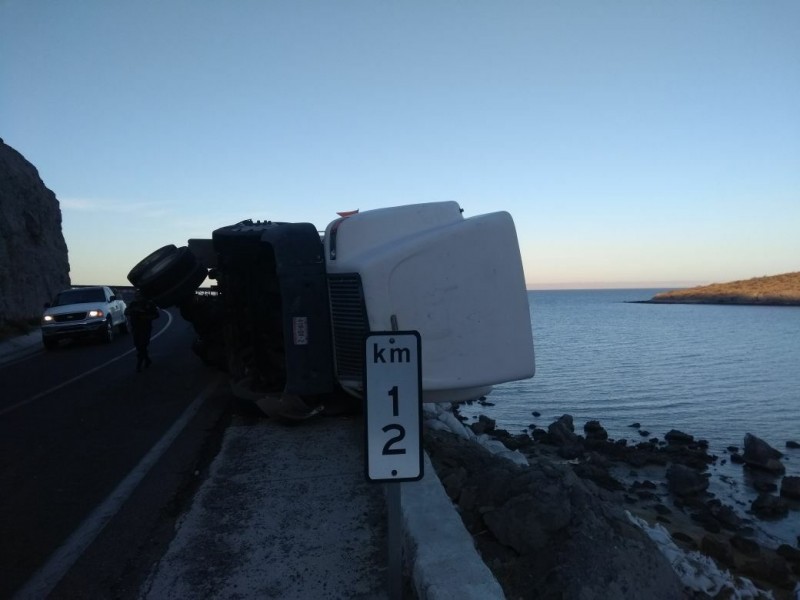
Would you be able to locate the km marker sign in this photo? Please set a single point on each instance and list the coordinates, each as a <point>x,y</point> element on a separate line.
<point>393,410</point>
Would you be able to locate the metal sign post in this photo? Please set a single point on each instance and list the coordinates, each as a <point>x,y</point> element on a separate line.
<point>393,417</point>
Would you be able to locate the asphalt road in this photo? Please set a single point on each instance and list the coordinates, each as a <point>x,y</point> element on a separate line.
<point>96,460</point>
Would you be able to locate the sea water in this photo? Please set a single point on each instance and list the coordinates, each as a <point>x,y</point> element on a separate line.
<point>713,371</point>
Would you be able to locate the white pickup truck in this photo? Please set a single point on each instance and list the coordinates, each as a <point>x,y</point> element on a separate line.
<point>83,312</point>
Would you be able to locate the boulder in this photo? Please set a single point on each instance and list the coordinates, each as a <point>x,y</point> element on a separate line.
<point>684,481</point>
<point>790,553</point>
<point>595,431</point>
<point>790,487</point>
<point>707,521</point>
<point>673,436</point>
<point>764,486</point>
<point>760,455</point>
<point>717,549</point>
<point>562,431</point>
<point>684,538</point>
<point>745,545</point>
<point>483,425</point>
<point>539,434</point>
<point>770,567</point>
<point>767,506</point>
<point>691,454</point>
<point>725,515</point>
<point>33,253</point>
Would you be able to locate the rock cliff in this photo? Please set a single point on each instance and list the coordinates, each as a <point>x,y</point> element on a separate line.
<point>33,254</point>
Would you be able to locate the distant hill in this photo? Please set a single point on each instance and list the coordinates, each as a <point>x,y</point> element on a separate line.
<point>782,290</point>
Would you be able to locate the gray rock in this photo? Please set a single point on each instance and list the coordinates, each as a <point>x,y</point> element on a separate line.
<point>595,431</point>
<point>483,425</point>
<point>771,568</point>
<point>745,545</point>
<point>717,549</point>
<point>684,481</point>
<point>33,253</point>
<point>562,432</point>
<point>725,515</point>
<point>673,436</point>
<point>789,553</point>
<point>764,486</point>
<point>790,487</point>
<point>767,506</point>
<point>548,534</point>
<point>759,454</point>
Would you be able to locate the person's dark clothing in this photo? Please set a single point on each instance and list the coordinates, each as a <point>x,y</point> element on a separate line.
<point>141,312</point>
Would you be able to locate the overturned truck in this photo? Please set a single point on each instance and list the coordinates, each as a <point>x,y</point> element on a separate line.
<point>291,306</point>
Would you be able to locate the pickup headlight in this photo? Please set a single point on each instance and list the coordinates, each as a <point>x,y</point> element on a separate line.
<point>95,313</point>
<point>47,318</point>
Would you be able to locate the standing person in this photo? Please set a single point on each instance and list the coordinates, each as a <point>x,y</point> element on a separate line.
<point>141,312</point>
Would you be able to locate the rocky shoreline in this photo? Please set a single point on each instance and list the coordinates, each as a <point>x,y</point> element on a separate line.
<point>733,299</point>
<point>561,523</point>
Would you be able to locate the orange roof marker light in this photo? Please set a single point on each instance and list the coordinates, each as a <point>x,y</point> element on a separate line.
<point>347,213</point>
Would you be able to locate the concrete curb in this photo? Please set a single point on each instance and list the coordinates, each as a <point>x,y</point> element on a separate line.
<point>20,346</point>
<point>445,565</point>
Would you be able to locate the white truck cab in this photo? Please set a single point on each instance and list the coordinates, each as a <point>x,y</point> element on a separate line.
<point>457,281</point>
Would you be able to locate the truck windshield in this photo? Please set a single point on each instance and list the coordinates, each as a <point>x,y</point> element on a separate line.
<point>79,296</point>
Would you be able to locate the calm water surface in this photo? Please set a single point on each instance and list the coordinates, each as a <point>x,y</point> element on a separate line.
<point>716,372</point>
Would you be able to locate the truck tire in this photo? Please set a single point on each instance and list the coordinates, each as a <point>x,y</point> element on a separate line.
<point>163,274</point>
<point>135,274</point>
<point>183,289</point>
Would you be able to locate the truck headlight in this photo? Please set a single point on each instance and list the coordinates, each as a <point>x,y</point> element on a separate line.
<point>47,318</point>
<point>96,313</point>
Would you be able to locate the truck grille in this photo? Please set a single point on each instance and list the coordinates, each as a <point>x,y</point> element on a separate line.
<point>68,317</point>
<point>350,324</point>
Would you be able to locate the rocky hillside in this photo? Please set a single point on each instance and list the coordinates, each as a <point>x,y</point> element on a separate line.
<point>773,290</point>
<point>33,253</point>
<point>585,516</point>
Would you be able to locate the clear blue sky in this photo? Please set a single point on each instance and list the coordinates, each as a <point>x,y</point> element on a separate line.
<point>634,142</point>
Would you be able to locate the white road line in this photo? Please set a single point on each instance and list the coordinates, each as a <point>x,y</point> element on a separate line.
<point>27,401</point>
<point>47,577</point>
